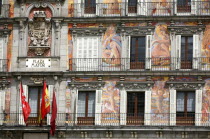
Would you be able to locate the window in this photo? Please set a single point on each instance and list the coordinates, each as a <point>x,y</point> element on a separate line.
<point>90,6</point>
<point>186,52</point>
<point>137,52</point>
<point>87,53</point>
<point>35,96</point>
<point>183,6</point>
<point>132,6</point>
<point>135,107</point>
<point>86,108</point>
<point>185,111</point>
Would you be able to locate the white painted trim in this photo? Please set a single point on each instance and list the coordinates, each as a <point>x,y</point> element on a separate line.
<point>172,107</point>
<point>123,107</point>
<point>195,51</point>
<point>147,116</point>
<point>98,103</point>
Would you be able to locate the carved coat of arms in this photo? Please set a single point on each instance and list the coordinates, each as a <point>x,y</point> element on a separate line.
<point>39,33</point>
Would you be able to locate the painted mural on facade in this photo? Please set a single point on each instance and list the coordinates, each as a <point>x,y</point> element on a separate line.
<point>70,48</point>
<point>160,51</point>
<point>111,48</point>
<point>205,50</point>
<point>186,79</point>
<point>9,48</point>
<point>143,24</point>
<point>70,8</point>
<point>7,104</point>
<point>68,105</point>
<point>11,9</point>
<point>110,103</point>
<point>160,103</point>
<point>111,7</point>
<point>161,7</point>
<point>206,103</point>
<point>205,6</point>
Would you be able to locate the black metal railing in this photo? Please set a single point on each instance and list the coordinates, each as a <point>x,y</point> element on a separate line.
<point>111,119</point>
<point>140,9</point>
<point>152,64</point>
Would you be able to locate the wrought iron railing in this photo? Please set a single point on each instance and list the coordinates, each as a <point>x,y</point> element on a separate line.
<point>111,119</point>
<point>140,9</point>
<point>129,64</point>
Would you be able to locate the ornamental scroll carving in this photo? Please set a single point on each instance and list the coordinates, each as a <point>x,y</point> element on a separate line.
<point>39,33</point>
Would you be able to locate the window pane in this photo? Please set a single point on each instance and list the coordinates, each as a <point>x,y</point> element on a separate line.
<point>180,102</point>
<point>135,103</point>
<point>141,99</point>
<point>130,103</point>
<point>91,104</point>
<point>190,48</point>
<point>137,50</point>
<point>132,2</point>
<point>191,102</point>
<point>33,101</point>
<point>81,104</point>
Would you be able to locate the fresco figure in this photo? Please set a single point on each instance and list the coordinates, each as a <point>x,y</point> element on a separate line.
<point>205,6</point>
<point>111,7</point>
<point>160,103</point>
<point>205,51</point>
<point>206,102</point>
<point>111,44</point>
<point>110,101</point>
<point>161,7</point>
<point>161,45</point>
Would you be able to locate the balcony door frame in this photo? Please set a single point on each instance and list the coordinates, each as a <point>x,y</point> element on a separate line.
<point>123,104</point>
<point>192,11</point>
<point>147,61</point>
<point>198,101</point>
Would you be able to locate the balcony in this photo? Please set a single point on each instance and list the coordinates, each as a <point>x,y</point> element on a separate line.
<point>110,119</point>
<point>199,8</point>
<point>148,64</point>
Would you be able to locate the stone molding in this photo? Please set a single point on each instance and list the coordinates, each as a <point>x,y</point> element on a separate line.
<point>88,31</point>
<point>132,31</point>
<point>135,85</point>
<point>185,85</point>
<point>179,30</point>
<point>86,85</point>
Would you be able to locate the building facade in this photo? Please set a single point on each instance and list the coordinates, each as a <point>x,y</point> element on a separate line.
<point>120,68</point>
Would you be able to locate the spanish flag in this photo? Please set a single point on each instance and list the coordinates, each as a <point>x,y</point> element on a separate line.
<point>45,105</point>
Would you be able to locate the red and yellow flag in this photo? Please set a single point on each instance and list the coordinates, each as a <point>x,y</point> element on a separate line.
<point>45,105</point>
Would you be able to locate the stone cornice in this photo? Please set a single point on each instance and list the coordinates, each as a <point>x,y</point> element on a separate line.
<point>135,85</point>
<point>185,85</point>
<point>186,29</point>
<point>140,30</point>
<point>88,31</point>
<point>86,85</point>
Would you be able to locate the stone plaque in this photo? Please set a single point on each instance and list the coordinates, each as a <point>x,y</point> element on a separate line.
<point>38,62</point>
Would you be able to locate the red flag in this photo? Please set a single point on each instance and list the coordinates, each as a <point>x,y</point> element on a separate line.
<point>54,115</point>
<point>45,105</point>
<point>25,106</point>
